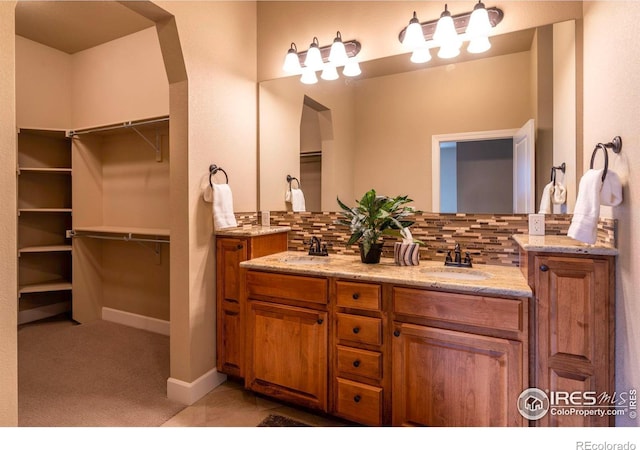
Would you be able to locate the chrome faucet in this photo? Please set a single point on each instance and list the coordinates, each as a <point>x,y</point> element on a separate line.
<point>317,248</point>
<point>457,260</point>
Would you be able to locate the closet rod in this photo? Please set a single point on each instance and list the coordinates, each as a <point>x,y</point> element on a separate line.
<point>129,124</point>
<point>126,238</point>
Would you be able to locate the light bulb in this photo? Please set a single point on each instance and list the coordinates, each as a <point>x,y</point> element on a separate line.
<point>413,36</point>
<point>329,73</point>
<point>479,45</point>
<point>449,51</point>
<point>446,34</point>
<point>421,55</point>
<point>338,53</point>
<point>314,58</point>
<point>479,25</point>
<point>308,76</point>
<point>291,61</point>
<point>352,68</point>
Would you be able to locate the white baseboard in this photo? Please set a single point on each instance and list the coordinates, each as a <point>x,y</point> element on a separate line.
<point>189,393</point>
<point>136,320</point>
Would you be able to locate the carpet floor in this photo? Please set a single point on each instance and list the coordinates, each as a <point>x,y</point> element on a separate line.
<point>95,374</point>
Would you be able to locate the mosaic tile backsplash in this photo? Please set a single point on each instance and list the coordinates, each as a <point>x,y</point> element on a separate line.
<point>486,237</point>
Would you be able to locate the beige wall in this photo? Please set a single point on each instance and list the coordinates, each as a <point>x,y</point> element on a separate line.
<point>375,24</point>
<point>8,260</point>
<point>612,107</point>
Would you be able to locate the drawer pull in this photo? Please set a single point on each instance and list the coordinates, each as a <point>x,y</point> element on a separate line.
<point>320,321</point>
<point>356,330</point>
<point>544,267</point>
<point>356,363</point>
<point>396,333</point>
<point>239,246</point>
<point>357,398</point>
<point>355,296</point>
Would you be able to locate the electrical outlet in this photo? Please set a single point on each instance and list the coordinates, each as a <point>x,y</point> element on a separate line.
<point>536,224</point>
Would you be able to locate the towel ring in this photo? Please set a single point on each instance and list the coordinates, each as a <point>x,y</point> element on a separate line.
<point>615,145</point>
<point>562,167</point>
<point>213,169</point>
<point>290,179</point>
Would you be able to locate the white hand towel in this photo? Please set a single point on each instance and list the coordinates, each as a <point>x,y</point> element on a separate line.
<point>587,210</point>
<point>545,201</point>
<point>297,200</point>
<point>611,193</point>
<point>559,196</point>
<point>223,216</point>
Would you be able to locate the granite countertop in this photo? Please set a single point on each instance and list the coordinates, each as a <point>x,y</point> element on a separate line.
<point>250,231</point>
<point>500,280</point>
<point>561,244</point>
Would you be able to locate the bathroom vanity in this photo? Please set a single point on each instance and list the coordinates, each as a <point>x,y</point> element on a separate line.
<point>387,345</point>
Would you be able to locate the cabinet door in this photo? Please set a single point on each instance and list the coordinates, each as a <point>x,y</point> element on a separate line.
<point>229,334</point>
<point>574,328</point>
<point>449,378</point>
<point>288,353</point>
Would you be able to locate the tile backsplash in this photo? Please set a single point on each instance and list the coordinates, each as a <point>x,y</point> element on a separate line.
<point>486,237</point>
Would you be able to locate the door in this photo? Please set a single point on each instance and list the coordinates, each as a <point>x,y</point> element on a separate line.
<point>447,378</point>
<point>524,166</point>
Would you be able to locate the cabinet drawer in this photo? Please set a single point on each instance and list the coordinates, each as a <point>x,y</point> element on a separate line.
<point>367,330</point>
<point>288,287</point>
<point>359,402</point>
<point>364,363</point>
<point>487,312</point>
<point>358,295</point>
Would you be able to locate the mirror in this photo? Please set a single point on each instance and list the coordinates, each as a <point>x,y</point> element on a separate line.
<point>376,130</point>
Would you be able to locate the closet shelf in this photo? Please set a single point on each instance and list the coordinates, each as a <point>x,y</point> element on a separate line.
<point>48,286</point>
<point>139,234</point>
<point>44,210</point>
<point>61,170</point>
<point>45,249</point>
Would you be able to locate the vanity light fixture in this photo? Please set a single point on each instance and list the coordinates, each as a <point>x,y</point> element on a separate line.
<point>327,59</point>
<point>450,31</point>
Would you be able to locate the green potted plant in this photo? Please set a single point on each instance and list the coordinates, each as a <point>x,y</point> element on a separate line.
<point>372,217</point>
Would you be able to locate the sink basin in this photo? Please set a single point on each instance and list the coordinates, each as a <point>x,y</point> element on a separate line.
<point>302,260</point>
<point>456,273</point>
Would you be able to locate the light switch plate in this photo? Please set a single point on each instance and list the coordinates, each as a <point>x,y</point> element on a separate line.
<point>536,224</point>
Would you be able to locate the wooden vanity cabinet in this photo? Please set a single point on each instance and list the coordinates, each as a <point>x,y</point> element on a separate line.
<point>458,360</point>
<point>230,322</point>
<point>361,385</point>
<point>287,336</point>
<point>574,328</point>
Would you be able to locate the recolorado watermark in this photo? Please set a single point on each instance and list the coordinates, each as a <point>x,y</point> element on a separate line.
<point>589,445</point>
<point>534,404</point>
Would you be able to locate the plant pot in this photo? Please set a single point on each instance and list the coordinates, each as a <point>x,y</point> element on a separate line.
<point>373,257</point>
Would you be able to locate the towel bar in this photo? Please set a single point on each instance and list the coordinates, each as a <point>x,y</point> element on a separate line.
<point>562,167</point>
<point>615,145</point>
<point>213,169</point>
<point>290,179</point>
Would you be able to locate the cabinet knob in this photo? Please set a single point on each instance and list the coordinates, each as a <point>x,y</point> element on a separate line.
<point>357,398</point>
<point>239,246</point>
<point>356,363</point>
<point>320,321</point>
<point>544,267</point>
<point>356,330</point>
<point>396,333</point>
<point>355,296</point>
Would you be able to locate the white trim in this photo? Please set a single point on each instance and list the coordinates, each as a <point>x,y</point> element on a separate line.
<point>136,320</point>
<point>189,393</point>
<point>436,139</point>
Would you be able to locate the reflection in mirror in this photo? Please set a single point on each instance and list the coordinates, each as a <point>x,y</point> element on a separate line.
<point>376,131</point>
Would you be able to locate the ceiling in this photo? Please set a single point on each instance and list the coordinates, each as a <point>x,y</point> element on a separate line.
<point>73,26</point>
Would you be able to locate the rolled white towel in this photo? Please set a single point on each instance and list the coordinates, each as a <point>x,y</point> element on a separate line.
<point>545,201</point>
<point>223,216</point>
<point>584,222</point>
<point>611,193</point>
<point>297,200</point>
<point>559,196</point>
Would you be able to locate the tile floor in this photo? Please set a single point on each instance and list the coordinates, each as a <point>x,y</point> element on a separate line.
<point>229,405</point>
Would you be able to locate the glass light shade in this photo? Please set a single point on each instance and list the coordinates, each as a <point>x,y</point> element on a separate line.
<point>449,51</point>
<point>329,72</point>
<point>314,58</point>
<point>338,53</point>
<point>352,68</point>
<point>308,76</point>
<point>291,62</point>
<point>421,55</point>
<point>413,35</point>
<point>479,25</point>
<point>445,34</point>
<point>479,45</point>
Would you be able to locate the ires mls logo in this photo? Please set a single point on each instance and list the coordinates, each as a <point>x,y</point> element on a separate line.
<point>533,404</point>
